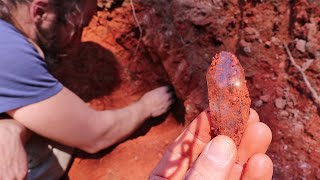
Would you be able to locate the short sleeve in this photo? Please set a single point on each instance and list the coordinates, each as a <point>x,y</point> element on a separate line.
<point>24,76</point>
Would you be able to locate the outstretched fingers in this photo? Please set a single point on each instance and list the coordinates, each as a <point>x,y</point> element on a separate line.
<point>190,157</point>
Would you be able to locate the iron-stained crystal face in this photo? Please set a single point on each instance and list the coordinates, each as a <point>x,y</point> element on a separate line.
<point>229,100</point>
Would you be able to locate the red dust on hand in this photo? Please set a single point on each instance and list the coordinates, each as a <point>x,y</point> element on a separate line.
<point>229,99</point>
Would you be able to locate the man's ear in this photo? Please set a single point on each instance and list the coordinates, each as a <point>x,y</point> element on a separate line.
<point>39,9</point>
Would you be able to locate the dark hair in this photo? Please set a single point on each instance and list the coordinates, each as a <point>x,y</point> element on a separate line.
<point>6,6</point>
<point>69,11</point>
<point>3,11</point>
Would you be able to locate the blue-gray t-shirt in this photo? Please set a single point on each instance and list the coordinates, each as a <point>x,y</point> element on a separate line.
<point>24,76</point>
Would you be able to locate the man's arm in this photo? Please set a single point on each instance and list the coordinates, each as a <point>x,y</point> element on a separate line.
<point>16,128</point>
<point>13,161</point>
<point>65,118</point>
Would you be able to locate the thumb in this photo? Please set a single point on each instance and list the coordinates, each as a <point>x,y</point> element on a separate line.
<point>216,161</point>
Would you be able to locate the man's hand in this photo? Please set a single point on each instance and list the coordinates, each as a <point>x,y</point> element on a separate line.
<point>193,156</point>
<point>13,161</point>
<point>157,101</point>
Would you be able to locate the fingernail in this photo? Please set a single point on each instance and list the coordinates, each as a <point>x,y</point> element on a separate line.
<point>220,151</point>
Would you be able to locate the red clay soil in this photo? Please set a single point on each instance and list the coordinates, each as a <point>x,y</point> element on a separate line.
<point>228,95</point>
<point>178,40</point>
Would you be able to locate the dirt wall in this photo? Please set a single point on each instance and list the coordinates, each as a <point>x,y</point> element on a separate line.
<point>118,63</point>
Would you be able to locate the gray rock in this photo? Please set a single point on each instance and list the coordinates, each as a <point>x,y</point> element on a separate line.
<point>301,45</point>
<point>268,44</point>
<point>313,48</point>
<point>258,103</point>
<point>275,41</point>
<point>247,49</point>
<point>245,46</point>
<point>313,45</point>
<point>280,103</point>
<point>284,113</point>
<point>265,98</point>
<point>251,34</point>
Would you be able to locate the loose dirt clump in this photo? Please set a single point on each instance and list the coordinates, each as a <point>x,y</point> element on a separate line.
<point>178,40</point>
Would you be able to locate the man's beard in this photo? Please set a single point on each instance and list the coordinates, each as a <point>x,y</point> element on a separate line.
<point>48,41</point>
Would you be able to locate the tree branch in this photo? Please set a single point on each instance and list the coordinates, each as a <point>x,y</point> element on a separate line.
<point>314,94</point>
<point>139,26</point>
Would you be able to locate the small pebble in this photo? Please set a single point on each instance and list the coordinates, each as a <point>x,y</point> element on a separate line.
<point>265,98</point>
<point>267,44</point>
<point>258,103</point>
<point>301,45</point>
<point>275,41</point>
<point>251,34</point>
<point>246,47</point>
<point>306,117</point>
<point>284,113</point>
<point>304,165</point>
<point>280,103</point>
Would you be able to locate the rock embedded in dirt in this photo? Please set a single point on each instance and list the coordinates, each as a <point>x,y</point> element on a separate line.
<point>313,48</point>
<point>276,41</point>
<point>251,34</point>
<point>280,103</point>
<point>267,44</point>
<point>313,45</point>
<point>229,99</point>
<point>246,46</point>
<point>265,98</point>
<point>301,45</point>
<point>284,113</point>
<point>258,103</point>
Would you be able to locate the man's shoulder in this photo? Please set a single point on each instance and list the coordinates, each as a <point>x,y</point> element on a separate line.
<point>12,41</point>
<point>10,34</point>
<point>14,46</point>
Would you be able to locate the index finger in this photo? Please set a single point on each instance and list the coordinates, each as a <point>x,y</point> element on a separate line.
<point>184,150</point>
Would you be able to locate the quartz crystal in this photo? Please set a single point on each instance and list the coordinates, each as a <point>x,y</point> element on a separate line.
<point>228,94</point>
